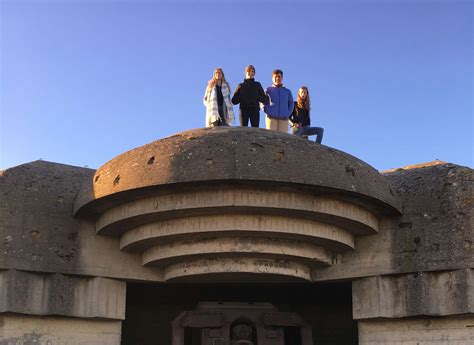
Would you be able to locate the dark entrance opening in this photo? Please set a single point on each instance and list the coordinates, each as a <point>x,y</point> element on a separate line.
<point>192,336</point>
<point>327,308</point>
<point>292,336</point>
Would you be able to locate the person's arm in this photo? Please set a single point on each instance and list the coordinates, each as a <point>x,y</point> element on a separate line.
<point>269,103</point>
<point>236,96</point>
<point>262,96</point>
<point>229,107</point>
<point>291,103</point>
<point>292,117</point>
<point>309,118</point>
<point>204,100</point>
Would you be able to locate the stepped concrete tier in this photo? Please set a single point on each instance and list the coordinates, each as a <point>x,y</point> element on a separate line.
<point>239,202</point>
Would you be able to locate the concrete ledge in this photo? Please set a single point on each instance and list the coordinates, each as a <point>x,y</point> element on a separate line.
<point>351,217</point>
<point>57,294</point>
<point>429,331</point>
<point>146,236</point>
<point>251,265</point>
<point>307,253</point>
<point>34,330</point>
<point>424,293</point>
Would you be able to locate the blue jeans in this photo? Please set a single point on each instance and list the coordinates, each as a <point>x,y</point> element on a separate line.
<point>307,131</point>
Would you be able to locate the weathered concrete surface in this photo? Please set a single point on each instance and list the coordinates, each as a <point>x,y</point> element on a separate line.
<point>301,251</point>
<point>32,330</point>
<point>101,256</point>
<point>230,222</point>
<point>172,191</point>
<point>241,155</point>
<point>238,225</point>
<point>424,293</point>
<point>435,233</point>
<point>36,226</point>
<point>183,241</point>
<point>428,331</point>
<point>56,294</point>
<point>39,233</point>
<point>228,199</point>
<point>372,256</point>
<point>254,266</point>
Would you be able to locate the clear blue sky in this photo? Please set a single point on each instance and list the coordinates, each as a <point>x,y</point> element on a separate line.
<point>83,81</point>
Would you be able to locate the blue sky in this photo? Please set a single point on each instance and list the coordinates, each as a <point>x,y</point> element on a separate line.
<point>83,81</point>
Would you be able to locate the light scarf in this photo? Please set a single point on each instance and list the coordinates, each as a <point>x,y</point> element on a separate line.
<point>212,110</point>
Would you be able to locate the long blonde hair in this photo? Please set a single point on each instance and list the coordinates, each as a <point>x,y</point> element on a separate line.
<point>306,103</point>
<point>213,81</point>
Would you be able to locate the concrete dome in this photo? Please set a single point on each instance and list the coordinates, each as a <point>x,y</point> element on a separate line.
<point>238,202</point>
<point>236,154</point>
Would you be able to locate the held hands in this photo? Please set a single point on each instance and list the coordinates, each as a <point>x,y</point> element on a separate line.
<point>270,103</point>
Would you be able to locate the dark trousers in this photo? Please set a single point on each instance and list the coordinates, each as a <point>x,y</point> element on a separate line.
<point>253,115</point>
<point>221,121</point>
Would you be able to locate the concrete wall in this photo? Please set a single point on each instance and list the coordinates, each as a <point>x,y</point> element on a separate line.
<point>57,294</point>
<point>435,233</point>
<point>429,331</point>
<point>39,234</point>
<point>424,293</point>
<point>33,330</point>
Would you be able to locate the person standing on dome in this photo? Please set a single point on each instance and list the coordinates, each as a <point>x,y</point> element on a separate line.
<point>300,120</point>
<point>219,109</point>
<point>249,94</point>
<point>281,105</point>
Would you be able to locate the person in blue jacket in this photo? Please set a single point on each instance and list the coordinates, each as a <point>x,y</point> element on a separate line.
<point>280,106</point>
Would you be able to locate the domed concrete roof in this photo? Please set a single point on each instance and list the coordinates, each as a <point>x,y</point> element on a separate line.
<point>235,154</point>
<point>240,201</point>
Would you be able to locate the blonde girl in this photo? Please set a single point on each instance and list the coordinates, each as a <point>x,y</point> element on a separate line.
<point>219,109</point>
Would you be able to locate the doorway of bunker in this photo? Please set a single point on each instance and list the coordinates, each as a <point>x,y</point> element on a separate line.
<point>325,307</point>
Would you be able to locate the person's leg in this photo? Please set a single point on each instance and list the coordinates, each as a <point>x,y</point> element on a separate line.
<point>271,124</point>
<point>319,134</point>
<point>255,118</point>
<point>221,112</point>
<point>244,118</point>
<point>282,126</point>
<point>318,131</point>
<point>299,131</point>
<point>276,125</point>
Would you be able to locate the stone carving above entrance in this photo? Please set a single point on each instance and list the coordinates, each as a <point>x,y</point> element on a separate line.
<point>240,324</point>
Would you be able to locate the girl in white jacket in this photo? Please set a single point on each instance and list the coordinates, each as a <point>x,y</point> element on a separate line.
<point>219,109</point>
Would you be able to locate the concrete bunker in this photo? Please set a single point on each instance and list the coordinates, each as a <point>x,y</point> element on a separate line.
<point>235,215</point>
<point>229,201</point>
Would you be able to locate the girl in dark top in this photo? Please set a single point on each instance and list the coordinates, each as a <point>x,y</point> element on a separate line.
<point>249,94</point>
<point>300,120</point>
<point>219,109</point>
